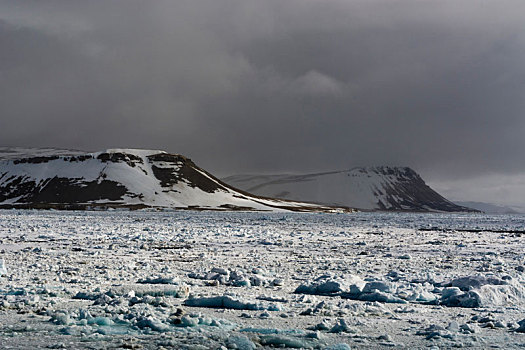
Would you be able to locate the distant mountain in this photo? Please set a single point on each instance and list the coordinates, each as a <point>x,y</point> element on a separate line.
<point>373,188</point>
<point>49,178</point>
<point>489,208</point>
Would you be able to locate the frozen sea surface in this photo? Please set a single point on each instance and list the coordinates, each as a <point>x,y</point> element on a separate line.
<point>210,280</point>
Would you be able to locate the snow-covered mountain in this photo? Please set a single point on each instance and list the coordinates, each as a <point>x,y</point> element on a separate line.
<point>49,178</point>
<point>373,188</point>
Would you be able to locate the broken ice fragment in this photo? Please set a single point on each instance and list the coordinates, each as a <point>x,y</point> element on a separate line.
<point>240,342</point>
<point>341,346</point>
<point>323,287</point>
<point>158,280</point>
<point>223,302</point>
<point>341,326</point>
<point>3,268</point>
<point>286,341</point>
<point>521,329</point>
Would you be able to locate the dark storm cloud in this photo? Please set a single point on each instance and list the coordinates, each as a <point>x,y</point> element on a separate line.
<point>251,86</point>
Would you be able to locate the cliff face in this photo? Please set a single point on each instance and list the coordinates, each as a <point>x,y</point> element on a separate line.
<point>120,178</point>
<point>373,188</point>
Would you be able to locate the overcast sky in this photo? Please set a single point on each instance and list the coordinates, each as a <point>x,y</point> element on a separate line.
<point>277,85</point>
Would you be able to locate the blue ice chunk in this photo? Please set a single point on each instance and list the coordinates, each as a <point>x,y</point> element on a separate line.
<point>187,321</point>
<point>114,329</point>
<point>274,307</point>
<point>340,346</point>
<point>153,324</point>
<point>241,342</point>
<point>100,321</point>
<point>17,292</point>
<point>285,341</point>
<point>62,319</point>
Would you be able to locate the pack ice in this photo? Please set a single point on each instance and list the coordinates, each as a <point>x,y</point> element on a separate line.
<point>249,280</point>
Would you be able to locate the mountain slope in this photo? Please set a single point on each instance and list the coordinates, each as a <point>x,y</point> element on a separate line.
<point>120,178</point>
<point>374,188</point>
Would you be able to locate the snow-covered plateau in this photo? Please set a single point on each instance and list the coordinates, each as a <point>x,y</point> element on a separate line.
<point>116,178</point>
<point>368,188</point>
<point>244,280</point>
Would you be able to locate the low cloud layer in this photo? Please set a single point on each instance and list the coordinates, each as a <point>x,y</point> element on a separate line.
<point>273,86</point>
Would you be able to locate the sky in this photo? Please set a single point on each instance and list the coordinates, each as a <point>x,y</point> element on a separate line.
<point>277,86</point>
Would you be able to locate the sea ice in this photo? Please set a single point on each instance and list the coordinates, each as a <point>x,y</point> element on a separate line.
<point>521,328</point>
<point>224,302</point>
<point>3,268</point>
<point>103,278</point>
<point>240,342</point>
